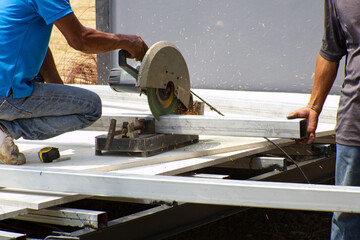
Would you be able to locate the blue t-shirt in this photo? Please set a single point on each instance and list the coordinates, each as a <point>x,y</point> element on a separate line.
<point>25,29</point>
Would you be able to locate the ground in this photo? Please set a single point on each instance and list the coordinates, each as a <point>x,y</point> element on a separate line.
<point>265,224</point>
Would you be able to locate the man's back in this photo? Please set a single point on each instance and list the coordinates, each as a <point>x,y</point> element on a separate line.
<point>25,29</point>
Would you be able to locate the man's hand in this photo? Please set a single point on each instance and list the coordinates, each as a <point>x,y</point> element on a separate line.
<point>134,45</point>
<point>325,74</point>
<point>312,118</point>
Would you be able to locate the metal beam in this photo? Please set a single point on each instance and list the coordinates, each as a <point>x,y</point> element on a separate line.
<point>231,126</point>
<point>103,24</point>
<point>256,163</point>
<point>186,189</point>
<point>213,125</point>
<point>67,217</point>
<point>320,170</point>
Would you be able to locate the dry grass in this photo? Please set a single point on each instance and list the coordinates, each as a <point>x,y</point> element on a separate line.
<point>74,66</point>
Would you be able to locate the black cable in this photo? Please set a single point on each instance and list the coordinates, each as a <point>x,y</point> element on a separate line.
<point>290,158</point>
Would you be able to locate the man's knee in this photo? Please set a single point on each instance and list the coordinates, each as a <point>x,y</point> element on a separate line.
<point>96,111</point>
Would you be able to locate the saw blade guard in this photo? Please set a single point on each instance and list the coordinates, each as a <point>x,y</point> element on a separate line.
<point>163,76</point>
<point>164,64</point>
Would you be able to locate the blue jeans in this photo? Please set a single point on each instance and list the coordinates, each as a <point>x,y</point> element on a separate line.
<point>347,173</point>
<point>51,110</point>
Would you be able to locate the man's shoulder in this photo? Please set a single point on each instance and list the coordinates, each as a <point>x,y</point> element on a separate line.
<point>51,11</point>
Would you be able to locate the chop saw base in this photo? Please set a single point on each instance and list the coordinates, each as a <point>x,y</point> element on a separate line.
<point>145,144</point>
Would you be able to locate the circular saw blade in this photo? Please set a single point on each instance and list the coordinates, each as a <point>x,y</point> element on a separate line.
<point>162,101</point>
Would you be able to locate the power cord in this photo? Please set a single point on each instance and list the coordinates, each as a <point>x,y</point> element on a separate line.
<point>290,158</point>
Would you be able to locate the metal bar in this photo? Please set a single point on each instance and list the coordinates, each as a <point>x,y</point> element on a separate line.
<point>231,126</point>
<point>185,189</point>
<point>257,163</point>
<point>214,125</point>
<point>207,175</point>
<point>111,134</point>
<point>10,235</point>
<point>103,24</point>
<point>67,217</point>
<point>315,170</point>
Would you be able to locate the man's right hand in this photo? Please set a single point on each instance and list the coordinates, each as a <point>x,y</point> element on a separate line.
<point>312,118</point>
<point>134,45</point>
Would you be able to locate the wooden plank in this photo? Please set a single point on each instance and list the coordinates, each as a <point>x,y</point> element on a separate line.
<point>79,147</point>
<point>35,199</point>
<point>186,165</point>
<point>11,211</point>
<point>11,235</point>
<point>219,147</point>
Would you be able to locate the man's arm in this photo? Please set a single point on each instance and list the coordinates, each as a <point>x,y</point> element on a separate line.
<point>48,69</point>
<point>89,40</point>
<point>325,74</point>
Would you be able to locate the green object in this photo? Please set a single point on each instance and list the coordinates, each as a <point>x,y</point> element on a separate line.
<point>48,154</point>
<point>162,101</point>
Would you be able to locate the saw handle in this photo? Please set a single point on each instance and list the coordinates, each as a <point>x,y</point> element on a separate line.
<point>123,55</point>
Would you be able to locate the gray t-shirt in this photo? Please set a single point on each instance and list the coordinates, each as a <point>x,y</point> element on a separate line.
<point>342,38</point>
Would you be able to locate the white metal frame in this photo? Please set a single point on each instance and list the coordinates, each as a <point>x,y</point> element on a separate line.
<point>187,189</point>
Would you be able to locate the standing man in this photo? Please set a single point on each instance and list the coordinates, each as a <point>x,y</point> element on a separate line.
<point>341,38</point>
<point>34,110</point>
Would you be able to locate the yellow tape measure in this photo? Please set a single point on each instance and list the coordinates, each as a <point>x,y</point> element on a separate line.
<point>48,154</point>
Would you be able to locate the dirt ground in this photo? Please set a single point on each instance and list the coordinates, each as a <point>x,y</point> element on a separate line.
<point>265,224</point>
<point>74,66</point>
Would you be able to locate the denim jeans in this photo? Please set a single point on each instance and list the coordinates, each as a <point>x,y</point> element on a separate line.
<point>347,173</point>
<point>51,110</point>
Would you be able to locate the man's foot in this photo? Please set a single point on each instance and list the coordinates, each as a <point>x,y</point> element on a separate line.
<point>9,152</point>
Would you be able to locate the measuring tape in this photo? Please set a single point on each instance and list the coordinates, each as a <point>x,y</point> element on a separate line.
<point>48,154</point>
